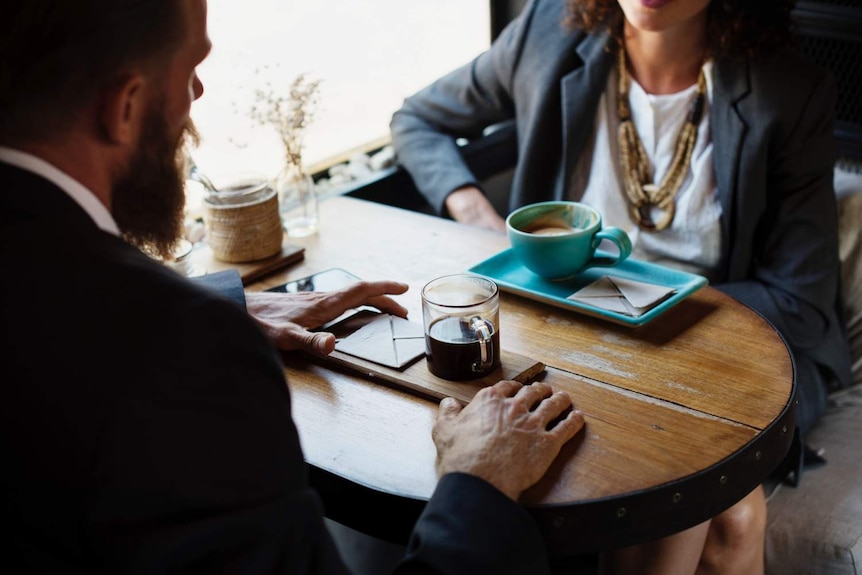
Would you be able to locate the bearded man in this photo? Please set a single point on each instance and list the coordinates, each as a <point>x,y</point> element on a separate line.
<point>146,422</point>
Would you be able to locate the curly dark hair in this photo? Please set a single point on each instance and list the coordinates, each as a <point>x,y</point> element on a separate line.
<point>735,28</point>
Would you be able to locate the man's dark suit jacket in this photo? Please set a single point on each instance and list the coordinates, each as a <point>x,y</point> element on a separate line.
<point>771,123</point>
<point>146,424</point>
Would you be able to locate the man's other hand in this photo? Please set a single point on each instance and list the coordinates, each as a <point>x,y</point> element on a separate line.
<point>502,436</point>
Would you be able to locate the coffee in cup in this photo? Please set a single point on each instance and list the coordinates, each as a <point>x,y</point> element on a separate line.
<point>558,239</point>
<point>550,230</point>
<point>461,315</point>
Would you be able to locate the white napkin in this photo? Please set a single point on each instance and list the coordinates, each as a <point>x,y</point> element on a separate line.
<point>619,295</point>
<point>387,339</point>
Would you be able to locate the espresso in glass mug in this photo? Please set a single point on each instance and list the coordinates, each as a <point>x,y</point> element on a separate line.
<point>461,317</point>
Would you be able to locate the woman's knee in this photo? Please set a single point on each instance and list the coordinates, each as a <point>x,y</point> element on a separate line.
<point>742,524</point>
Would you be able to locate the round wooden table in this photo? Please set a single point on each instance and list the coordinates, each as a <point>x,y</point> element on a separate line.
<point>684,415</point>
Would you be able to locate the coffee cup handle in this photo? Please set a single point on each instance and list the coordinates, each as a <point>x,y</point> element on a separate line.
<point>486,349</point>
<point>620,238</point>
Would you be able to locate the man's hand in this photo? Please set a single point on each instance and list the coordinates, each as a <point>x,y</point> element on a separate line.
<point>502,435</point>
<point>469,205</point>
<point>287,318</point>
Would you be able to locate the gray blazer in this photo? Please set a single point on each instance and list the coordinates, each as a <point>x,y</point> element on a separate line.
<point>771,122</point>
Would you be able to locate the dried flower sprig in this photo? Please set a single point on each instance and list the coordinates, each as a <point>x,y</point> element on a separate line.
<point>290,115</point>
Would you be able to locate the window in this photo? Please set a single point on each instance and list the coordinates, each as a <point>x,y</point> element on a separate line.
<point>368,54</point>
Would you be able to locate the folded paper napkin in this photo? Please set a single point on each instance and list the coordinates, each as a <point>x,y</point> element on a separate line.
<point>625,296</point>
<point>387,339</point>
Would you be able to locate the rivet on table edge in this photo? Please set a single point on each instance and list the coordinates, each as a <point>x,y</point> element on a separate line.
<point>723,479</point>
<point>677,497</point>
<point>559,521</point>
<point>784,429</point>
<point>758,455</point>
<point>621,512</point>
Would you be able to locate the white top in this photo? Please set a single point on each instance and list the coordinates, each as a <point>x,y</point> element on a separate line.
<point>75,190</point>
<point>693,240</point>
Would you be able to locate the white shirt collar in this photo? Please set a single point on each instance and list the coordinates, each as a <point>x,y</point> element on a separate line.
<point>75,190</point>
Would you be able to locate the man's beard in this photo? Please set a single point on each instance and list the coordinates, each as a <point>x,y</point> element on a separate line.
<point>149,198</point>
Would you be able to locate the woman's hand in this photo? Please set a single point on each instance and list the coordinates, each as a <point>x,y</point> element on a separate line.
<point>469,205</point>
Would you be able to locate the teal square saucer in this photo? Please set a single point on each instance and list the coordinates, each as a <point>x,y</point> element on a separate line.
<point>505,269</point>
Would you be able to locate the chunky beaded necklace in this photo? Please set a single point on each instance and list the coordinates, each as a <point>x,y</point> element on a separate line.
<point>643,195</point>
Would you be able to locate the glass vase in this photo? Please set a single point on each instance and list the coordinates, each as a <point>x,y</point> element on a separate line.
<point>297,201</point>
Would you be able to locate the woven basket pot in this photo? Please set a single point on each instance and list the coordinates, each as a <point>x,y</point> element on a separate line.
<point>245,227</point>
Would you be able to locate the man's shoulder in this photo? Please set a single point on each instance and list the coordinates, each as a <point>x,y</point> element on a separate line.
<point>83,277</point>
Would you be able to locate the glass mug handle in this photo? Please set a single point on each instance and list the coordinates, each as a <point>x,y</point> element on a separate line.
<point>486,349</point>
<point>617,236</point>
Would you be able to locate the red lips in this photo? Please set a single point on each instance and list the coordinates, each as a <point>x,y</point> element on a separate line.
<point>655,3</point>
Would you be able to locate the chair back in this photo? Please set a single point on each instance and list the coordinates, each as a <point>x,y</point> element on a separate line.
<point>831,34</point>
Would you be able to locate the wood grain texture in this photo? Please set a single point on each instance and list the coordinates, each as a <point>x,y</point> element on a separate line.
<point>708,353</point>
<point>694,407</point>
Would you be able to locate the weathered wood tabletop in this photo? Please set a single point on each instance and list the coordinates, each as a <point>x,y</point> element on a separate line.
<point>684,415</point>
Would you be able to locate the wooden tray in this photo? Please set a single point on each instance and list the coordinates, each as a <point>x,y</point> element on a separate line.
<point>417,379</point>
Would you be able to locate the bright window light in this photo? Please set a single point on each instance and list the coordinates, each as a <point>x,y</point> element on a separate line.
<point>368,55</point>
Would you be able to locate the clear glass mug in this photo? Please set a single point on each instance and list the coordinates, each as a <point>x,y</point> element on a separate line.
<point>461,317</point>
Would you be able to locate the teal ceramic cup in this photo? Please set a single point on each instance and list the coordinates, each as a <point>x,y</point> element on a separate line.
<point>556,240</point>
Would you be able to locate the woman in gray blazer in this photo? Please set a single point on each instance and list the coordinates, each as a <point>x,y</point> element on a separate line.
<point>599,92</point>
